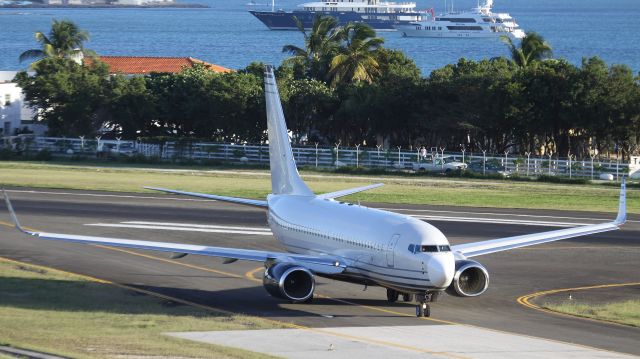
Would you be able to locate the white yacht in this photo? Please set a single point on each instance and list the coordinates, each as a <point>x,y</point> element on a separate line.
<point>477,22</point>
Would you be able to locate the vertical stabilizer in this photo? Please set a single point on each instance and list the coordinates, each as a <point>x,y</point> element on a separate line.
<point>284,174</point>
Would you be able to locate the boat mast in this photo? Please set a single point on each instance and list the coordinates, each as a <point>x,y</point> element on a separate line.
<point>273,5</point>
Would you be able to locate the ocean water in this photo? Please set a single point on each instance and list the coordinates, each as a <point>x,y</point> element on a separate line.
<point>226,34</point>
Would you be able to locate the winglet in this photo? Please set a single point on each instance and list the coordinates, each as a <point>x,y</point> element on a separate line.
<point>622,207</point>
<point>14,218</point>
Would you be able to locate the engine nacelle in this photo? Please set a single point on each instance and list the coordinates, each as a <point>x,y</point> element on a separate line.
<point>470,279</point>
<point>289,281</point>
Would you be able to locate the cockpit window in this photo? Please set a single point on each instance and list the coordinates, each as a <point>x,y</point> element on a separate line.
<point>430,248</point>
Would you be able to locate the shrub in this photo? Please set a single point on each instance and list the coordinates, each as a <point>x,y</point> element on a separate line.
<point>43,155</point>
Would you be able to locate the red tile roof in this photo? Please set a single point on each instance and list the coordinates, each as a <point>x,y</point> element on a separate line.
<point>140,65</point>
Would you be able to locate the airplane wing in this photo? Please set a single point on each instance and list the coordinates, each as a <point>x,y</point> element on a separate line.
<point>246,201</point>
<point>346,192</point>
<point>320,264</point>
<point>503,244</point>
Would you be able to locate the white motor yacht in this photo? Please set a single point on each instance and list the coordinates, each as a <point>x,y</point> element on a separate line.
<point>477,22</point>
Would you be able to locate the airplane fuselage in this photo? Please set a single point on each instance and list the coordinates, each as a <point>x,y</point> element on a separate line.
<point>383,248</point>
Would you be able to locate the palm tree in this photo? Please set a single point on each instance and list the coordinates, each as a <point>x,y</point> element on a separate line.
<point>320,43</point>
<point>357,59</point>
<point>65,40</point>
<point>533,47</point>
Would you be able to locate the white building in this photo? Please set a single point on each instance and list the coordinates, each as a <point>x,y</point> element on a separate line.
<point>14,113</point>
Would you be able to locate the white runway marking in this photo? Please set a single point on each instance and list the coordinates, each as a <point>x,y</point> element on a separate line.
<point>428,341</point>
<point>399,210</point>
<point>265,231</point>
<point>500,221</point>
<point>186,228</point>
<point>109,195</point>
<point>262,229</point>
<point>403,210</point>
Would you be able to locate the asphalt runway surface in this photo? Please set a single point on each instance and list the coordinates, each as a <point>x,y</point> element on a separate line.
<point>609,258</point>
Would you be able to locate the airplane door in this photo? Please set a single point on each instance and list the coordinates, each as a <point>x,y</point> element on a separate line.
<point>391,250</point>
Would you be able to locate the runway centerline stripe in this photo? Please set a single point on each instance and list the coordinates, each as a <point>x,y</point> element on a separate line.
<point>174,228</point>
<point>525,301</point>
<point>263,229</point>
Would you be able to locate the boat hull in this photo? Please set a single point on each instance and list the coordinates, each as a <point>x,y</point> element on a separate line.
<point>285,20</point>
<point>411,31</point>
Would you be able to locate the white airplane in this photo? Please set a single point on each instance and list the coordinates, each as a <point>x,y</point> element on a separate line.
<point>343,241</point>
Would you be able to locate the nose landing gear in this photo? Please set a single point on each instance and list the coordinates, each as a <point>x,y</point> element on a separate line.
<point>423,309</point>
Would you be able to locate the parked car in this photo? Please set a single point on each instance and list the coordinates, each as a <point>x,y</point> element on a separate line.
<point>489,168</point>
<point>113,150</point>
<point>439,164</point>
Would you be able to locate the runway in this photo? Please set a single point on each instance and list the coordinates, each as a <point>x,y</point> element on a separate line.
<point>610,258</point>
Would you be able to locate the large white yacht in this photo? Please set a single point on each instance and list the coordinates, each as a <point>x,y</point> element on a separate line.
<point>477,22</point>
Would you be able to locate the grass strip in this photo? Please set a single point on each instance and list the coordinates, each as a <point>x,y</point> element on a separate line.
<point>626,312</point>
<point>256,184</point>
<point>69,315</point>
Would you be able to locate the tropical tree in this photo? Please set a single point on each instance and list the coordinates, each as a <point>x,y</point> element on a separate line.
<point>71,99</point>
<point>533,47</point>
<point>320,45</point>
<point>357,60</point>
<point>65,40</point>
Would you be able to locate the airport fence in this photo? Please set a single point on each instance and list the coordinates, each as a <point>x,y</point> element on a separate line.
<point>396,159</point>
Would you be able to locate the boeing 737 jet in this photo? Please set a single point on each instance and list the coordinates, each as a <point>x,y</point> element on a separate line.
<point>352,243</point>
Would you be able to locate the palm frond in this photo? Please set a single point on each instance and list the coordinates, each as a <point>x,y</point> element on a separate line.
<point>294,50</point>
<point>31,54</point>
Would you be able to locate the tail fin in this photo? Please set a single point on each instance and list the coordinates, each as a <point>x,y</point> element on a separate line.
<point>284,174</point>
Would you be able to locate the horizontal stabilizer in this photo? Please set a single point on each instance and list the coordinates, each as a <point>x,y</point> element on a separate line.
<point>346,192</point>
<point>245,201</point>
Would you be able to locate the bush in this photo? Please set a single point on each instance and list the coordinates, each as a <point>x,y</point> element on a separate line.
<point>43,155</point>
<point>7,154</point>
<point>554,179</point>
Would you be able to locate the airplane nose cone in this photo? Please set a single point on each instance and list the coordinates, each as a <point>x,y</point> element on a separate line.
<point>441,269</point>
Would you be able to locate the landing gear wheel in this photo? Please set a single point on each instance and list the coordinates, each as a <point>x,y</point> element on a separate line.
<point>423,310</point>
<point>407,297</point>
<point>392,296</point>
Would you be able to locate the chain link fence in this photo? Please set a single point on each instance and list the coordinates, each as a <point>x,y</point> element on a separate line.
<point>397,159</point>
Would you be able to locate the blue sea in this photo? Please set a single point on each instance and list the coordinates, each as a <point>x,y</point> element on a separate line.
<point>226,34</point>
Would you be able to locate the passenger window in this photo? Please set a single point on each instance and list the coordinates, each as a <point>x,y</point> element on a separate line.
<point>411,248</point>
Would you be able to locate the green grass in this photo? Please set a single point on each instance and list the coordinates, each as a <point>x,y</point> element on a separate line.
<point>627,312</point>
<point>69,315</point>
<point>256,184</point>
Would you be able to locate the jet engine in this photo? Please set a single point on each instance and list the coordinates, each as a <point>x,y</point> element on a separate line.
<point>469,280</point>
<point>289,281</point>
